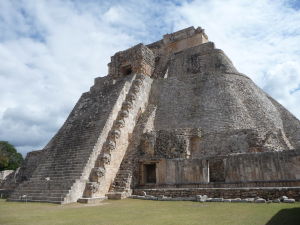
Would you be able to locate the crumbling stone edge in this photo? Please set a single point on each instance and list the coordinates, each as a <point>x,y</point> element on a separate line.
<point>205,198</point>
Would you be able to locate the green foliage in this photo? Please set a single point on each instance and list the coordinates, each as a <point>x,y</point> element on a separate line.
<point>10,159</point>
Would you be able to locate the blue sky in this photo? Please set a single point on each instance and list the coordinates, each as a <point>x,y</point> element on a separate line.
<point>51,51</point>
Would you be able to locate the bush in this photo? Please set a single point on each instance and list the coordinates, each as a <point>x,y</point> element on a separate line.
<point>10,159</point>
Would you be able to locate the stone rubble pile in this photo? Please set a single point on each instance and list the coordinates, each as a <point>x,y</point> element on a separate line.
<point>205,198</point>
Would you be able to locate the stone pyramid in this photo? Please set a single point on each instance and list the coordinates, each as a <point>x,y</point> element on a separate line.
<point>171,118</point>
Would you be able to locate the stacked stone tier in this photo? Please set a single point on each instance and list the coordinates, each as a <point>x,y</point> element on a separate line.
<point>71,154</point>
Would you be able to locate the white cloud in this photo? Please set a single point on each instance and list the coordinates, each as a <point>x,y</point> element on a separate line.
<point>42,77</point>
<point>50,51</point>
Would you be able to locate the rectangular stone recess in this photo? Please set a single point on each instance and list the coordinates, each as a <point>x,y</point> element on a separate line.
<point>126,70</point>
<point>150,173</point>
<point>216,170</point>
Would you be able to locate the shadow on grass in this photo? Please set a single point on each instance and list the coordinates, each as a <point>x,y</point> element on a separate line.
<point>286,217</point>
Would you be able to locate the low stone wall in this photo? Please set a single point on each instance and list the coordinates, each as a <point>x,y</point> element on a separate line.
<point>267,166</point>
<point>277,169</point>
<point>226,193</point>
<point>282,183</point>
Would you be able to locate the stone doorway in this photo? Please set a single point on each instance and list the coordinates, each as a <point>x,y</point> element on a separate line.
<point>150,173</point>
<point>126,70</point>
<point>147,173</point>
<point>216,170</point>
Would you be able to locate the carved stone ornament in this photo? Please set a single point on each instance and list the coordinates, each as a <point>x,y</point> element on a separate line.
<point>93,187</point>
<point>138,82</point>
<point>127,105</point>
<point>99,171</point>
<point>106,158</point>
<point>131,97</point>
<point>115,134</point>
<point>135,88</point>
<point>111,145</point>
<point>140,77</point>
<point>120,123</point>
<point>124,114</point>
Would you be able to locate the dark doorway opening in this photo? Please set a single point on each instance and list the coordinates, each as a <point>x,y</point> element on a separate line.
<point>216,171</point>
<point>126,70</point>
<point>150,173</point>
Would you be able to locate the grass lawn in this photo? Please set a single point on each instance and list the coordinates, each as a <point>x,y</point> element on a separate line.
<point>143,212</point>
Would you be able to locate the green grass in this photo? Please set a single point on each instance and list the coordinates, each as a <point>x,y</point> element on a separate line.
<point>143,212</point>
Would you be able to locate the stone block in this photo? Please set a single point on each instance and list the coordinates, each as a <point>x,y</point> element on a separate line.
<point>150,197</point>
<point>289,200</point>
<point>260,200</point>
<point>236,200</point>
<point>217,200</point>
<point>201,198</point>
<point>282,198</point>
<point>91,200</point>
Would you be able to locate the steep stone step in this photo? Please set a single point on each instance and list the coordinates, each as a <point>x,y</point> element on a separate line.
<point>73,152</point>
<point>103,174</point>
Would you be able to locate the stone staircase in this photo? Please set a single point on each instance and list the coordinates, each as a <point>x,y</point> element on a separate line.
<point>52,182</point>
<point>118,141</point>
<point>121,187</point>
<point>70,156</point>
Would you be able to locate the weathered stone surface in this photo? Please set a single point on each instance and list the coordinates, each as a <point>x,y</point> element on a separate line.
<point>150,197</point>
<point>12,180</point>
<point>260,200</point>
<point>236,200</point>
<point>201,198</point>
<point>249,199</point>
<point>289,200</point>
<point>282,198</point>
<point>217,200</point>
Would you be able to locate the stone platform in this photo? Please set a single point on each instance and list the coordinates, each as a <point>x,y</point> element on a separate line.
<point>91,200</point>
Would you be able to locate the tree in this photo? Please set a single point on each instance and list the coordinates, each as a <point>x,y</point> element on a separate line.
<point>10,159</point>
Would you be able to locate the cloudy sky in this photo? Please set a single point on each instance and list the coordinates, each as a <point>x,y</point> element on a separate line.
<point>50,51</point>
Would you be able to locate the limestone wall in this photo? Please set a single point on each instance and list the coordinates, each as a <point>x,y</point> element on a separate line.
<point>136,60</point>
<point>183,39</point>
<point>267,166</point>
<point>291,124</point>
<point>204,91</point>
<point>182,171</point>
<point>251,167</point>
<point>200,59</point>
<point>24,172</point>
